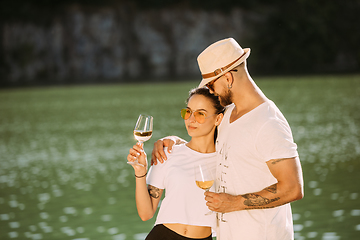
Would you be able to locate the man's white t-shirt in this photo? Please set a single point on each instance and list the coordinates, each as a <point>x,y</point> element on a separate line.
<point>245,146</point>
<point>184,202</point>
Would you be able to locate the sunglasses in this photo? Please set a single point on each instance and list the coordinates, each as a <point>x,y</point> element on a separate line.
<point>210,85</point>
<point>200,117</point>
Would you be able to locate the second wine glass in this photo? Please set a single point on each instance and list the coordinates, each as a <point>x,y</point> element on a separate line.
<point>204,178</point>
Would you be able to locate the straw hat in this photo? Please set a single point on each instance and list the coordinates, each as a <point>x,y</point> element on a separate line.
<point>219,58</point>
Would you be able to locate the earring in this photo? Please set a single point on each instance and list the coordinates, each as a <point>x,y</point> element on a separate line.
<point>229,86</point>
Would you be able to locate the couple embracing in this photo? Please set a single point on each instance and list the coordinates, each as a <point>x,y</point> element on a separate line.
<point>240,134</point>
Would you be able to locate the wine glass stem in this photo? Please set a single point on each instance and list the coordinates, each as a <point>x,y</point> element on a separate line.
<point>141,144</point>
<point>210,212</point>
<point>136,162</point>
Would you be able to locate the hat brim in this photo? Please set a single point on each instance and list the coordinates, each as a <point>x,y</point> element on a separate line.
<point>242,59</point>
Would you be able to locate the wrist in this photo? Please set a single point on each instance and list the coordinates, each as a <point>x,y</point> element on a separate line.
<point>140,173</point>
<point>239,205</point>
<point>172,138</point>
<point>141,176</point>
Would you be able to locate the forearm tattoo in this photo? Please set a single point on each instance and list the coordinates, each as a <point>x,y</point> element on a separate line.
<point>154,191</point>
<point>257,201</point>
<point>272,188</point>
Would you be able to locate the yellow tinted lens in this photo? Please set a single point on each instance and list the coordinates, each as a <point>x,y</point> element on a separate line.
<point>185,113</point>
<point>200,117</point>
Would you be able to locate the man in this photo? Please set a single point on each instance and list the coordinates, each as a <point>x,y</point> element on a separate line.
<point>258,170</point>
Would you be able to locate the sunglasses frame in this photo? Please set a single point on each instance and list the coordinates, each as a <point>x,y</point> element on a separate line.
<point>195,115</point>
<point>210,85</point>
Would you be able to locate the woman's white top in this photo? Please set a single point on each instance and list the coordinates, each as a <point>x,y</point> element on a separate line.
<point>184,201</point>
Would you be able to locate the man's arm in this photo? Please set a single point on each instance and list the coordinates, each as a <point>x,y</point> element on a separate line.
<point>289,188</point>
<point>158,153</point>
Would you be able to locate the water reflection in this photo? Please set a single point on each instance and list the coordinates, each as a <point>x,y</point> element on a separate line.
<point>64,175</point>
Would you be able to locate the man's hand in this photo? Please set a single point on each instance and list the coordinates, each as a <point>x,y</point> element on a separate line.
<point>222,202</point>
<point>289,188</point>
<point>158,153</point>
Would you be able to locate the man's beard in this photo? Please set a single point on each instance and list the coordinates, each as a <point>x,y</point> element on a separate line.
<point>227,99</point>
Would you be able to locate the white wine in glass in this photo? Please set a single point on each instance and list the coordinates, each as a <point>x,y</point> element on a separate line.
<point>204,178</point>
<point>142,136</point>
<point>143,131</point>
<point>205,185</point>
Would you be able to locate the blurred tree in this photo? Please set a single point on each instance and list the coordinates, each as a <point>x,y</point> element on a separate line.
<point>40,11</point>
<point>309,36</point>
<point>287,37</point>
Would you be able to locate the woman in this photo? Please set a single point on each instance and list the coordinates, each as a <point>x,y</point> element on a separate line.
<point>182,214</point>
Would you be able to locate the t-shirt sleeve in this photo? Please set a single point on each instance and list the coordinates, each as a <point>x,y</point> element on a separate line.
<point>157,173</point>
<point>156,176</point>
<point>275,141</point>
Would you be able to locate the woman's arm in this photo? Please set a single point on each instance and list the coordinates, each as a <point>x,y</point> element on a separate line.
<point>147,197</point>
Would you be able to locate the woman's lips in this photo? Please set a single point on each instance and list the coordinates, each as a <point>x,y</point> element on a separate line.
<point>191,127</point>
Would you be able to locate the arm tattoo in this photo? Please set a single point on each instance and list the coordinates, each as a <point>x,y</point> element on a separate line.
<point>272,188</point>
<point>257,201</point>
<point>154,191</point>
<point>278,160</point>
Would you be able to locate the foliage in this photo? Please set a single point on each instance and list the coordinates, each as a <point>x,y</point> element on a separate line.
<point>294,36</point>
<point>310,36</point>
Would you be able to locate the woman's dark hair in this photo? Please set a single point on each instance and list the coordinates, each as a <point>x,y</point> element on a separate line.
<point>214,99</point>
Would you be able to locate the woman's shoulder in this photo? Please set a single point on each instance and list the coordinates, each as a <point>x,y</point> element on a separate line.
<point>176,149</point>
<point>184,152</point>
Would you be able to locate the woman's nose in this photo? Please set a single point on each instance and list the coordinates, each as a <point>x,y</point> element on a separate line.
<point>192,117</point>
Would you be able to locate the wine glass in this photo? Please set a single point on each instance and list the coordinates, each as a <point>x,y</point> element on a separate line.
<point>204,178</point>
<point>142,131</point>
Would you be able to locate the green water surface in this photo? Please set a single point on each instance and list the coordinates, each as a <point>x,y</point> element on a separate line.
<point>63,171</point>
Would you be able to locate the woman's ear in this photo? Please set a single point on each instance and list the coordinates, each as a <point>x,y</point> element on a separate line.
<point>219,118</point>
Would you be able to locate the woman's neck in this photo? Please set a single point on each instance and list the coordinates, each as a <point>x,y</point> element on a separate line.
<point>202,144</point>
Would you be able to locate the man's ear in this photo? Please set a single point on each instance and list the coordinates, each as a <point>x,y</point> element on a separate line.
<point>229,78</point>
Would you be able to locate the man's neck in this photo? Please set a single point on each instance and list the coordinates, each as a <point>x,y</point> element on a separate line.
<point>247,97</point>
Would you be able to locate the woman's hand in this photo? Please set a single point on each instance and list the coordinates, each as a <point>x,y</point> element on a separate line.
<point>137,152</point>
